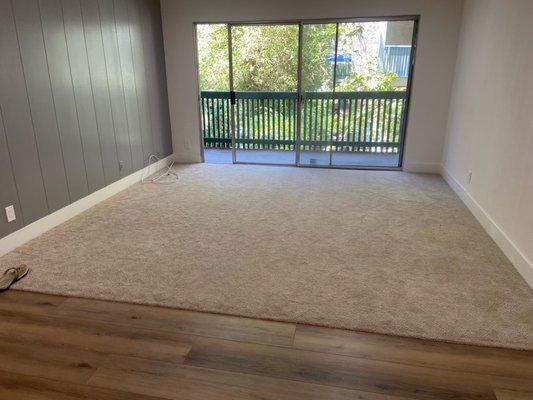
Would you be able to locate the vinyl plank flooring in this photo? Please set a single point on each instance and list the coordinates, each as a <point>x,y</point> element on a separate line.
<point>52,362</point>
<point>174,381</point>
<point>502,362</point>
<point>342,371</point>
<point>18,301</point>
<point>97,337</point>
<point>187,322</point>
<point>60,361</point>
<point>54,347</point>
<point>503,394</point>
<point>24,387</point>
<point>520,385</point>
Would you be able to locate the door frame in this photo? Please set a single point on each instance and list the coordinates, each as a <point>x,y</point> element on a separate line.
<point>301,22</point>
<point>233,103</point>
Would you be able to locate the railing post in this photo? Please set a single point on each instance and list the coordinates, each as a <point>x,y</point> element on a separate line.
<point>299,96</point>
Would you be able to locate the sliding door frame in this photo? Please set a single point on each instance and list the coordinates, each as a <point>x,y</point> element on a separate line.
<point>233,102</point>
<point>300,23</point>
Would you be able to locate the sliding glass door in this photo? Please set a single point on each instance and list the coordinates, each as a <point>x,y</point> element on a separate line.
<point>318,87</point>
<point>330,94</point>
<point>354,91</point>
<point>372,69</point>
<point>264,70</point>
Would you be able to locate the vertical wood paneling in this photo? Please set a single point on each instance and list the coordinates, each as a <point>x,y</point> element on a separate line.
<point>139,68</point>
<point>128,82</point>
<point>100,88</point>
<point>81,92</point>
<point>114,78</point>
<point>8,194</point>
<point>157,42</point>
<point>63,93</point>
<point>18,123</point>
<point>81,81</point>
<point>157,98</point>
<point>33,56</point>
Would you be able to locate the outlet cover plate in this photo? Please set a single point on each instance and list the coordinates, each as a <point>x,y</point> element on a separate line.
<point>10,213</point>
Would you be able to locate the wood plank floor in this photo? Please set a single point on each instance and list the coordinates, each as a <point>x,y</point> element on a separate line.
<point>60,348</point>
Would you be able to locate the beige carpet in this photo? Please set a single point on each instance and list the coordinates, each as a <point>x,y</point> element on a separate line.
<point>385,252</point>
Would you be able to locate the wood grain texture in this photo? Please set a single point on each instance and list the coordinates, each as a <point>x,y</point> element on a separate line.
<point>484,360</point>
<point>187,382</point>
<point>504,394</point>
<point>54,347</point>
<point>341,371</point>
<point>186,322</point>
<point>87,335</point>
<point>24,387</point>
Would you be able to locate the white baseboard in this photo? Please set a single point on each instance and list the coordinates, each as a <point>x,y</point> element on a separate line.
<point>31,231</point>
<point>523,265</point>
<point>421,167</point>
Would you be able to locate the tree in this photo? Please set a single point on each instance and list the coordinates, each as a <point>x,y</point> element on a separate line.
<point>265,58</point>
<point>213,56</point>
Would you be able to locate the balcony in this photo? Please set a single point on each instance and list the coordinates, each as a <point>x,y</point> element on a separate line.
<point>354,127</point>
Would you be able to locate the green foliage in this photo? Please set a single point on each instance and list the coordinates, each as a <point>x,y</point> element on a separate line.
<point>265,58</point>
<point>318,44</point>
<point>213,57</point>
<point>377,81</point>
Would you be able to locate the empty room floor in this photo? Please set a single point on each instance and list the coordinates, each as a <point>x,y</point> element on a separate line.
<point>385,252</point>
<point>56,348</point>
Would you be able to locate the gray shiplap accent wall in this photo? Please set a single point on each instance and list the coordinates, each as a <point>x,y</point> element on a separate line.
<point>83,99</point>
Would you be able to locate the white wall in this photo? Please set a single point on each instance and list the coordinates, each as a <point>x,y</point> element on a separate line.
<point>436,54</point>
<point>490,128</point>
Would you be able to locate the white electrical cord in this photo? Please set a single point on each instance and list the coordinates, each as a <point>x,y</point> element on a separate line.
<point>157,179</point>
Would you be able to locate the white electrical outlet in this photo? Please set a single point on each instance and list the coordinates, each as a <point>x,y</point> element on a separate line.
<point>10,213</point>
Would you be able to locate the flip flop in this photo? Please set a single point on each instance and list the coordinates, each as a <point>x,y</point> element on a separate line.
<point>11,275</point>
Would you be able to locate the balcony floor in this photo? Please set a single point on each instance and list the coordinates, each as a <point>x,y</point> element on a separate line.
<point>379,160</point>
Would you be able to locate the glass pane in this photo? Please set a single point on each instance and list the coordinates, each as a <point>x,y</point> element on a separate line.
<point>265,77</point>
<point>213,70</point>
<point>373,61</point>
<point>318,59</point>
